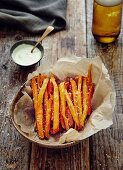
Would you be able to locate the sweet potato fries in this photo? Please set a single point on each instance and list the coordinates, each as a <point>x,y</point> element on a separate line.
<point>61,105</point>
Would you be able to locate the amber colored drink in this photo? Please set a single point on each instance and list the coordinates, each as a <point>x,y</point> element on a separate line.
<point>106,21</point>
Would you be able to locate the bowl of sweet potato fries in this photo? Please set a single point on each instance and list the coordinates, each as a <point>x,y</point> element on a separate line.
<point>46,108</point>
<point>61,105</point>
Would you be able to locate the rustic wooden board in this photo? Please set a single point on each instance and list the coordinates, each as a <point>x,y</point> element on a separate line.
<point>62,44</point>
<point>14,149</point>
<point>106,147</point>
<point>73,158</point>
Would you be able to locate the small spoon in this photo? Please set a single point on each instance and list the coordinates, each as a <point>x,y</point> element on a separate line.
<point>47,31</point>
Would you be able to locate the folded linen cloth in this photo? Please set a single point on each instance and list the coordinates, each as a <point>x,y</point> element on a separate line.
<point>33,15</point>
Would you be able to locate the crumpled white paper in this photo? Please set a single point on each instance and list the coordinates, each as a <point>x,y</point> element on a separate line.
<point>103,101</point>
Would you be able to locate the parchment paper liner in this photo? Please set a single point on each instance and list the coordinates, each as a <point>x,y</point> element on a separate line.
<point>103,101</point>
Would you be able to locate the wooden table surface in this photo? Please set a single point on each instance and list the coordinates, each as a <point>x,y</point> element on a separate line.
<point>102,151</point>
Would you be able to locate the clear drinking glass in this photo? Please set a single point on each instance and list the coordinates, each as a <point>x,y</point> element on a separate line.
<point>106,20</point>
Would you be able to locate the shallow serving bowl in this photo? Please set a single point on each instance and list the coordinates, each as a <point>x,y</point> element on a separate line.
<point>103,101</point>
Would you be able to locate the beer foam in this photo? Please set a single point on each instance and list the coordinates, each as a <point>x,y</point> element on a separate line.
<point>109,2</point>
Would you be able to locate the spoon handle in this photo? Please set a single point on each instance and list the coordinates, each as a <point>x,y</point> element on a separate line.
<point>47,31</point>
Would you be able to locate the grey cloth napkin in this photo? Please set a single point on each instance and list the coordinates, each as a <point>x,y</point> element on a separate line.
<point>33,15</point>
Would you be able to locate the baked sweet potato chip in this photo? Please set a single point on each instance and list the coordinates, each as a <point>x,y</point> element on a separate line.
<point>72,108</point>
<point>64,120</point>
<point>38,106</point>
<point>48,104</point>
<point>79,101</point>
<point>55,106</point>
<point>85,101</point>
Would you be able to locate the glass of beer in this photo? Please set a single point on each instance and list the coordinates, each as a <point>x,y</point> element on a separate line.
<point>106,20</point>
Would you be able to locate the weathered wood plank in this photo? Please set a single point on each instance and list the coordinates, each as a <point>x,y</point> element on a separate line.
<point>62,44</point>
<point>14,149</point>
<point>73,158</point>
<point>106,147</point>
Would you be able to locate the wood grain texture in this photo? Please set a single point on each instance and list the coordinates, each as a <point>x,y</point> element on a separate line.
<point>14,149</point>
<point>62,44</point>
<point>73,158</point>
<point>106,147</point>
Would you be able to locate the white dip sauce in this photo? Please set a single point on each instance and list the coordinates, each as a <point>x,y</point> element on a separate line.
<point>22,55</point>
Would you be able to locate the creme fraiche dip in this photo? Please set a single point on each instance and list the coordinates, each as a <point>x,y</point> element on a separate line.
<point>22,55</point>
